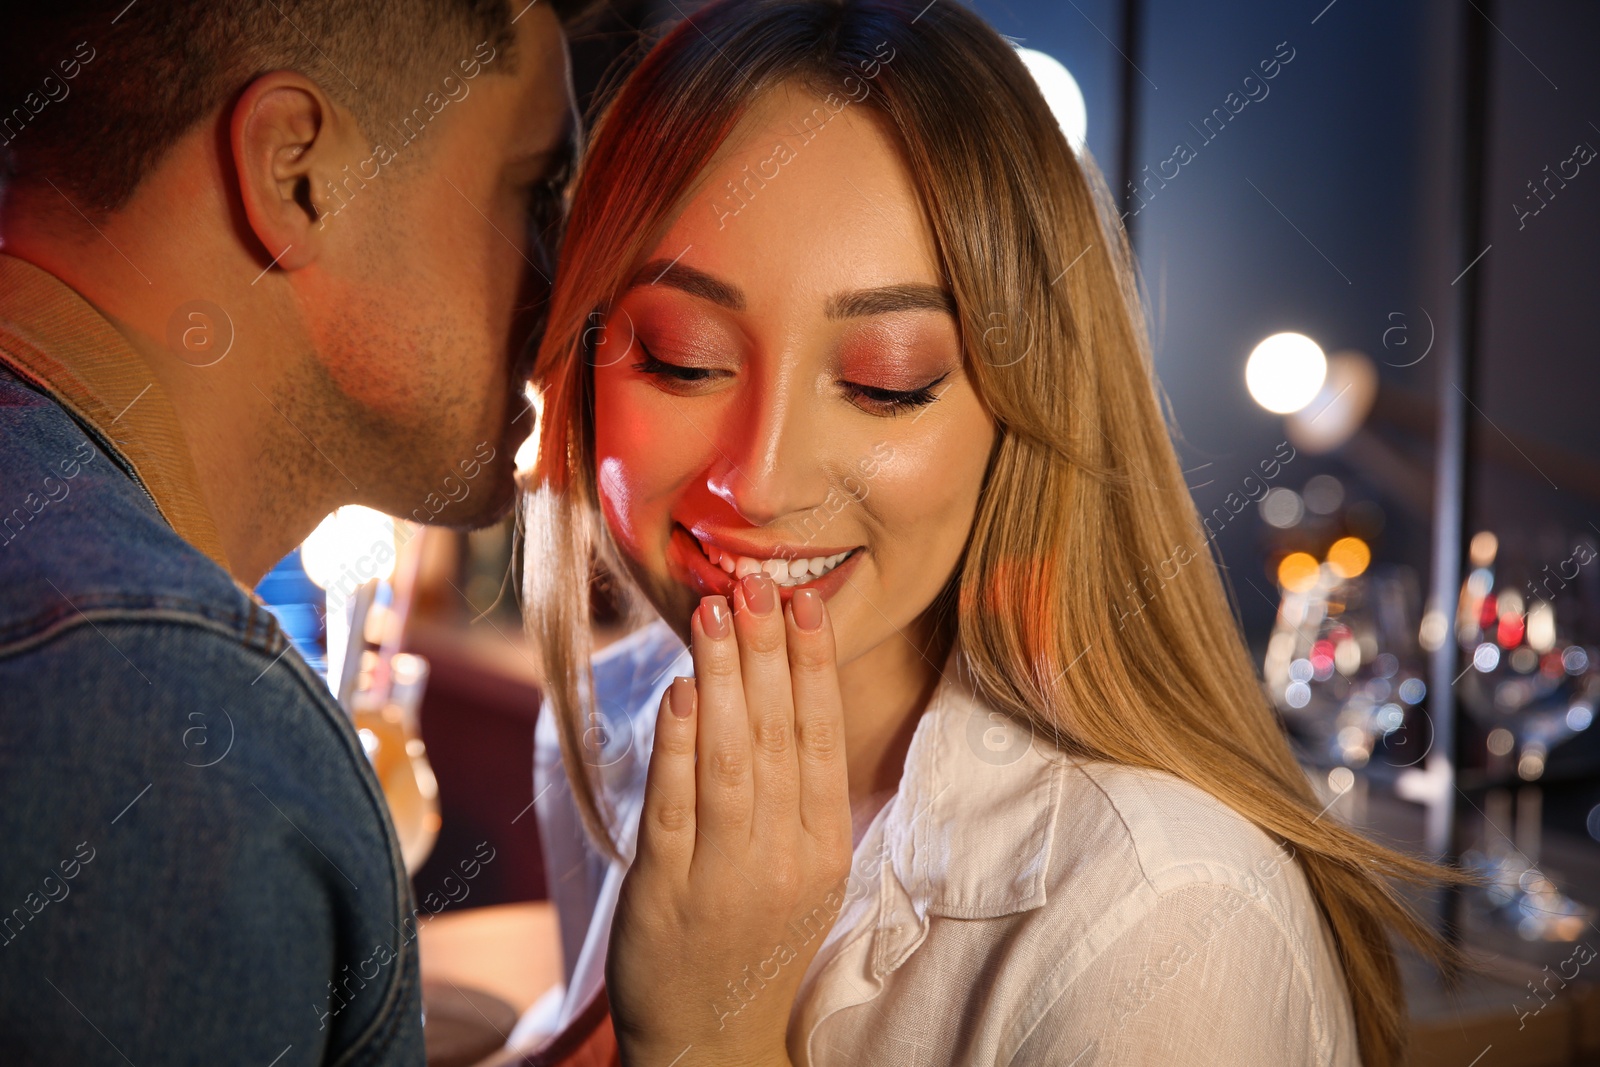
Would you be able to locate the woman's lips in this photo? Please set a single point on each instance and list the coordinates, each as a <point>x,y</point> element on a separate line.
<point>708,579</point>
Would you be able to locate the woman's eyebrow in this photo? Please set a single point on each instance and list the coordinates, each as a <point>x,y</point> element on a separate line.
<point>887,298</point>
<point>692,281</point>
<point>858,302</point>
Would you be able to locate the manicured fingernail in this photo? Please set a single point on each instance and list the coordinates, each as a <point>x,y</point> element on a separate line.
<point>714,617</point>
<point>807,605</point>
<point>680,697</point>
<point>758,593</point>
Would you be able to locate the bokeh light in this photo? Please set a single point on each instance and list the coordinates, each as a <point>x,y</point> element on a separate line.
<point>1285,371</point>
<point>1482,548</point>
<point>1579,717</point>
<point>1298,572</point>
<point>1541,627</point>
<point>1412,690</point>
<point>1324,494</point>
<point>1060,90</point>
<point>1349,556</point>
<point>1282,508</point>
<point>354,544</point>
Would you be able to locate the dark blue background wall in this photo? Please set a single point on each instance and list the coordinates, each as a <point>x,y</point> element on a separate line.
<point>1316,209</point>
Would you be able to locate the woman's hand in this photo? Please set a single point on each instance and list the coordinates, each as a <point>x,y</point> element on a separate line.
<point>744,840</point>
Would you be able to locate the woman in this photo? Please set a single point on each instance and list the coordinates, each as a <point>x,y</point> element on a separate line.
<point>847,376</point>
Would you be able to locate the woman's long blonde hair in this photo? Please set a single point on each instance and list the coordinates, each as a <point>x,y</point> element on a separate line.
<point>1088,603</point>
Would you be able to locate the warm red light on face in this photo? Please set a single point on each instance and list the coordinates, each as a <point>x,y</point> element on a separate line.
<point>676,330</point>
<point>771,447</point>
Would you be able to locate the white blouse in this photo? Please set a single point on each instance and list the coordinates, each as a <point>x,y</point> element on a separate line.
<point>1009,905</point>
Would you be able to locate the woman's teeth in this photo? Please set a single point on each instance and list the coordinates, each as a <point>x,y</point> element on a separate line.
<point>788,572</point>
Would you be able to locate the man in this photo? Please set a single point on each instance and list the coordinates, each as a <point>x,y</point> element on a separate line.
<point>261,259</point>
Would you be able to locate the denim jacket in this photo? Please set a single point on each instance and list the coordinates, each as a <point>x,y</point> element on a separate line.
<point>196,861</point>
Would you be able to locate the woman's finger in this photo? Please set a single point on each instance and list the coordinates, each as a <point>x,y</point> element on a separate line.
<point>818,721</point>
<point>722,772</point>
<point>667,820</point>
<point>769,700</point>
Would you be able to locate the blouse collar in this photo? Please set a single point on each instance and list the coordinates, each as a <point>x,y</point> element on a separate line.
<point>970,831</point>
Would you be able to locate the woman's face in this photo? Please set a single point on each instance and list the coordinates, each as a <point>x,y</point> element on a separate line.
<point>781,385</point>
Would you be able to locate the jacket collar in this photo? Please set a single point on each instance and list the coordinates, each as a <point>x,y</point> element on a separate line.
<point>56,341</point>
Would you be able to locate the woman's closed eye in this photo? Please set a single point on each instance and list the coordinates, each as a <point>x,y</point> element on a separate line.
<point>680,378</point>
<point>673,376</point>
<point>880,401</point>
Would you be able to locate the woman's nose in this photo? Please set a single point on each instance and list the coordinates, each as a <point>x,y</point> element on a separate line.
<point>763,466</point>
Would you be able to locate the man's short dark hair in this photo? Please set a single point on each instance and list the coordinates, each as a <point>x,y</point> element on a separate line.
<point>94,92</point>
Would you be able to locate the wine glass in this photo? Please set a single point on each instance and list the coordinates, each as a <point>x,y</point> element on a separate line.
<point>1345,669</point>
<point>1532,684</point>
<point>387,723</point>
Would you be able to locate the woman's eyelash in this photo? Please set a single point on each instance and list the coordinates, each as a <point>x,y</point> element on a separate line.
<point>649,364</point>
<point>883,401</point>
<point>895,400</point>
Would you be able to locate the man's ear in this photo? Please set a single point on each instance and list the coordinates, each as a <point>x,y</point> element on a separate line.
<point>285,138</point>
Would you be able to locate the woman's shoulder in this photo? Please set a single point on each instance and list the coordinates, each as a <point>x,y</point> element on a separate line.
<point>994,785</point>
<point>1161,831</point>
<point>1138,849</point>
<point>1144,882</point>
<point>1161,889</point>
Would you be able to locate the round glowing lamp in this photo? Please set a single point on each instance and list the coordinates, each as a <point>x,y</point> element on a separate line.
<point>1061,92</point>
<point>1285,372</point>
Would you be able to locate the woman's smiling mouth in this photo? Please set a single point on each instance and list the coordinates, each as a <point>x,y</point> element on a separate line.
<point>782,571</point>
<point>717,566</point>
